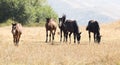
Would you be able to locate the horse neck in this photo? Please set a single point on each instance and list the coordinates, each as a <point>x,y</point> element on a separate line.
<point>47,21</point>
<point>98,33</point>
<point>76,27</point>
<point>77,30</point>
<point>63,19</point>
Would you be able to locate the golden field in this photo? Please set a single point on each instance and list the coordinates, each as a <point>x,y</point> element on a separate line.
<point>33,50</point>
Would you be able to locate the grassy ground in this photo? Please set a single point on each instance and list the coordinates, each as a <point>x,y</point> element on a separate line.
<point>33,50</point>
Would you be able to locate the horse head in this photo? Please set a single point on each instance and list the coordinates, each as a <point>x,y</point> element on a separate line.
<point>47,20</point>
<point>98,38</point>
<point>62,20</point>
<point>14,28</point>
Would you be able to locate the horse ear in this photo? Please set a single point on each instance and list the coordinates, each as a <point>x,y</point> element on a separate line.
<point>59,18</point>
<point>13,23</point>
<point>79,33</point>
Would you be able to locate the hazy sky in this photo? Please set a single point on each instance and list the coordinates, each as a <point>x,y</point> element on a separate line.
<point>110,8</point>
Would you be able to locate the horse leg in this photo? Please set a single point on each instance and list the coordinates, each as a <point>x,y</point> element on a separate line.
<point>89,37</point>
<point>46,35</point>
<point>74,38</point>
<point>60,35</point>
<point>70,36</point>
<point>94,37</point>
<point>14,38</point>
<point>18,38</point>
<point>66,36</point>
<point>50,36</point>
<point>54,34</point>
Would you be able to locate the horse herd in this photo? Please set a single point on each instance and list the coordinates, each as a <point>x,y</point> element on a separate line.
<point>67,27</point>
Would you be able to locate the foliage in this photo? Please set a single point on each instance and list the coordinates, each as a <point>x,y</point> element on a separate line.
<point>25,11</point>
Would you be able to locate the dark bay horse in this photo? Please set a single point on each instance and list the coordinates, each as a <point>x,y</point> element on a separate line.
<point>16,31</point>
<point>50,26</point>
<point>61,26</point>
<point>69,27</point>
<point>93,27</point>
<point>72,27</point>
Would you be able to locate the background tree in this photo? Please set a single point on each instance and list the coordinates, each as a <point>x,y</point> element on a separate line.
<point>25,11</point>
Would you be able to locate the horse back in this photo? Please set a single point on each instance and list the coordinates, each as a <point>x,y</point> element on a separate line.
<point>51,25</point>
<point>19,27</point>
<point>71,26</point>
<point>93,26</point>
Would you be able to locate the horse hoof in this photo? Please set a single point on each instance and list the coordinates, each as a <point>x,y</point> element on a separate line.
<point>46,41</point>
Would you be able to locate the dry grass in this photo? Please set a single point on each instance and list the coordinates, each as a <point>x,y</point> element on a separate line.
<point>33,50</point>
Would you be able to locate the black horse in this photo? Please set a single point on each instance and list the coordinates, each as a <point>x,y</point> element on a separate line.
<point>72,27</point>
<point>93,27</point>
<point>69,27</point>
<point>61,26</point>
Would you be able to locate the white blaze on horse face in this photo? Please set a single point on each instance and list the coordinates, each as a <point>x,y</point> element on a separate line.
<point>60,23</point>
<point>13,30</point>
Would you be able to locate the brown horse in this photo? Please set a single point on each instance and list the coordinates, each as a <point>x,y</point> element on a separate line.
<point>16,31</point>
<point>50,26</point>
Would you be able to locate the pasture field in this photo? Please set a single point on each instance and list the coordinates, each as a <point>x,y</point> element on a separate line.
<point>33,50</point>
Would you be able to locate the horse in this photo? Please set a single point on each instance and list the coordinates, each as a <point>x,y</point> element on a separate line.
<point>16,31</point>
<point>93,27</point>
<point>61,26</point>
<point>70,26</point>
<point>51,26</point>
